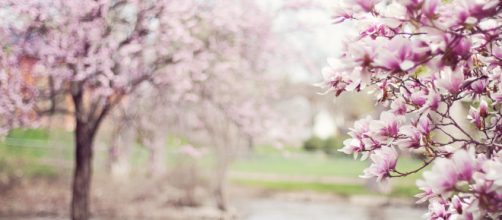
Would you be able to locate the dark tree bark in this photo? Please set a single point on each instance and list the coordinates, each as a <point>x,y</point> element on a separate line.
<point>84,136</point>
<point>220,191</point>
<point>87,123</point>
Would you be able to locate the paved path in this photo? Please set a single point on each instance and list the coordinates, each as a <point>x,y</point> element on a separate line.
<point>274,209</point>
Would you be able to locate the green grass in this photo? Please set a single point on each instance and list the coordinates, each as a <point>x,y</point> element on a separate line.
<point>338,189</point>
<point>273,161</point>
<point>26,151</point>
<point>409,190</point>
<point>24,164</point>
<point>307,164</point>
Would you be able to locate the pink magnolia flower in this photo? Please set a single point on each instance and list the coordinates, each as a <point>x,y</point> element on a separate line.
<point>412,137</point>
<point>483,109</point>
<point>478,87</point>
<point>470,12</point>
<point>441,178</point>
<point>497,98</point>
<point>429,8</point>
<point>333,80</point>
<point>361,128</point>
<point>352,146</point>
<point>398,107</point>
<point>433,100</point>
<point>342,12</point>
<point>400,53</point>
<point>457,205</point>
<point>424,125</point>
<point>426,193</point>
<point>438,210</point>
<point>386,127</point>
<point>488,196</point>
<point>492,169</point>
<point>465,164</point>
<point>367,5</point>
<point>418,98</point>
<point>451,80</point>
<point>475,117</point>
<point>445,173</point>
<point>384,161</point>
<point>462,47</point>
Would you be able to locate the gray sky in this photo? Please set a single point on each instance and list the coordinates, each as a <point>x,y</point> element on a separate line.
<point>314,41</point>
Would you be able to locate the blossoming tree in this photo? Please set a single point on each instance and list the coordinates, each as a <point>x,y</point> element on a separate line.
<point>224,102</point>
<point>95,53</point>
<point>422,58</point>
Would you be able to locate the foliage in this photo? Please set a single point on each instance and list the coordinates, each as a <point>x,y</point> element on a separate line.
<point>332,145</point>
<point>313,144</point>
<point>423,58</point>
<point>329,145</point>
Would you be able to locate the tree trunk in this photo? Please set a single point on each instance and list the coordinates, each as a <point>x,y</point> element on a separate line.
<point>84,136</point>
<point>122,142</point>
<point>157,155</point>
<point>221,188</point>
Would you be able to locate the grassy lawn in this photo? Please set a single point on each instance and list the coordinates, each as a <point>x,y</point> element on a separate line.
<point>338,189</point>
<point>298,163</point>
<point>34,152</point>
<point>309,164</point>
<point>22,153</point>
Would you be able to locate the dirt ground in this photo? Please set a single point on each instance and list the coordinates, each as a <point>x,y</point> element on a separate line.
<point>43,198</point>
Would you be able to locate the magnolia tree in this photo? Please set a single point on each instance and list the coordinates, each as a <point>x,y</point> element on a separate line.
<point>222,103</point>
<point>423,58</point>
<point>95,52</point>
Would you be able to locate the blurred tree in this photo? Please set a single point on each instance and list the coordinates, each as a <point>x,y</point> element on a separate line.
<point>97,52</point>
<point>225,102</point>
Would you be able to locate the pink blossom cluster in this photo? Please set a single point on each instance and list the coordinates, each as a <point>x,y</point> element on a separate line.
<point>17,95</point>
<point>422,59</point>
<point>227,78</point>
<point>192,50</point>
<point>101,48</point>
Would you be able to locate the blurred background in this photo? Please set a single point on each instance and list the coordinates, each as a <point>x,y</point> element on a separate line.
<point>262,146</point>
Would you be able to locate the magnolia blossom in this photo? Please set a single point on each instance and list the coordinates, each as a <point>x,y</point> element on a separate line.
<point>385,128</point>
<point>451,80</point>
<point>431,55</point>
<point>475,117</point>
<point>398,107</point>
<point>384,161</point>
<point>441,178</point>
<point>413,137</point>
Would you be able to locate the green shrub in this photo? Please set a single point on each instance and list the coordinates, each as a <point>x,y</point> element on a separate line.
<point>332,144</point>
<point>313,144</point>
